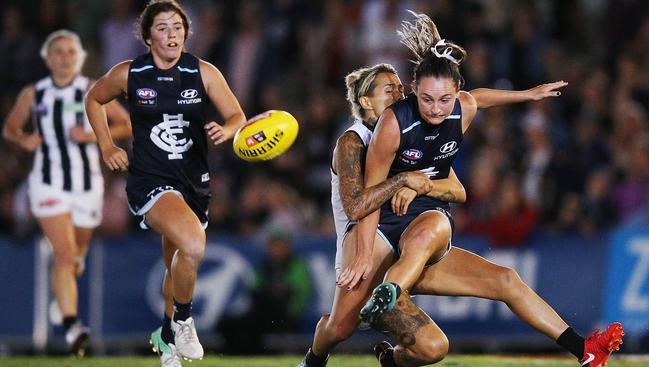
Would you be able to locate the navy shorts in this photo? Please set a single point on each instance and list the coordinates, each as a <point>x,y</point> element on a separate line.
<point>142,193</point>
<point>391,226</point>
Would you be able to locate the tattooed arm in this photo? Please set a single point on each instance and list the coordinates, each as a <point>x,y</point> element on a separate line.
<point>448,189</point>
<point>358,201</point>
<point>380,154</point>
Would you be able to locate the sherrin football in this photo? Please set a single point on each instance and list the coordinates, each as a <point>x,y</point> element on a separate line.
<point>265,136</point>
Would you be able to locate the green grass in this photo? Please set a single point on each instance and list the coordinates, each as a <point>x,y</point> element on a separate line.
<point>292,361</point>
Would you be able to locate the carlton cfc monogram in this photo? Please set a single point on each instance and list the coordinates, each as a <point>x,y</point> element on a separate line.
<point>164,134</point>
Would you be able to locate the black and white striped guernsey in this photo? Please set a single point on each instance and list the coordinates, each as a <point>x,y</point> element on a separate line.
<point>60,162</point>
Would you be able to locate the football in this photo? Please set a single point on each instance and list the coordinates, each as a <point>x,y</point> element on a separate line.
<point>265,136</point>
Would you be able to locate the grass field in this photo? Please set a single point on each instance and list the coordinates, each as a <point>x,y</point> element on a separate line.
<point>292,361</point>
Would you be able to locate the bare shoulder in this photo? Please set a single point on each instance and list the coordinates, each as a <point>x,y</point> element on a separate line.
<point>348,147</point>
<point>119,73</point>
<point>27,95</point>
<point>211,76</point>
<point>122,67</point>
<point>349,143</point>
<point>111,84</point>
<point>28,92</point>
<point>349,140</point>
<point>388,127</point>
<point>207,68</point>
<point>467,100</point>
<point>469,109</point>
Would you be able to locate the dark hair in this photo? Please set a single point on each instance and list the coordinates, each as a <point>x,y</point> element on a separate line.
<point>155,7</point>
<point>434,56</point>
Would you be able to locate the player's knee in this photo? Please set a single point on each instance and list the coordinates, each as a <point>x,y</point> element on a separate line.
<point>64,258</point>
<point>194,246</point>
<point>340,330</point>
<point>432,350</point>
<point>324,320</point>
<point>430,240</point>
<point>508,281</point>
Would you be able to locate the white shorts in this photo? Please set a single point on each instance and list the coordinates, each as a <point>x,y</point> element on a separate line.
<point>340,241</point>
<point>85,206</point>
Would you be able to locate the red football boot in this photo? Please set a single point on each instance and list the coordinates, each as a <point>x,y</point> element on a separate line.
<point>599,345</point>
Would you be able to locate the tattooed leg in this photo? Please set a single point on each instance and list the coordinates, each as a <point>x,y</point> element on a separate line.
<point>420,340</point>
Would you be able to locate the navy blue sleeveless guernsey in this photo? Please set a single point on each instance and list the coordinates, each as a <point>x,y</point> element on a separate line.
<point>423,147</point>
<point>168,109</point>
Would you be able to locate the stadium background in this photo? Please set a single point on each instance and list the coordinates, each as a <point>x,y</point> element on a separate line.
<point>558,189</point>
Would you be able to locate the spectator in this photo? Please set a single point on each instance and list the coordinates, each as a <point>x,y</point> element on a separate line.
<point>514,220</point>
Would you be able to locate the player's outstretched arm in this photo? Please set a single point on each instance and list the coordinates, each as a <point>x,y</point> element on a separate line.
<point>486,97</point>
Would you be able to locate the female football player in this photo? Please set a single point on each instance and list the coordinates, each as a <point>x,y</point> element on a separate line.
<point>66,187</point>
<point>370,91</point>
<point>422,238</point>
<point>169,92</point>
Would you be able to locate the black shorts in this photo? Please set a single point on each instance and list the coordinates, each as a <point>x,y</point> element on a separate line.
<point>391,226</point>
<point>142,193</point>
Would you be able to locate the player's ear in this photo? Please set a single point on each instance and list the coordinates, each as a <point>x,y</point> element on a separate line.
<point>365,103</point>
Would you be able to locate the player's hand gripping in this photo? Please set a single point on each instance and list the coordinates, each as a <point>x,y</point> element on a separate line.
<point>218,133</point>
<point>546,90</point>
<point>419,182</point>
<point>402,199</point>
<point>115,158</point>
<point>355,272</point>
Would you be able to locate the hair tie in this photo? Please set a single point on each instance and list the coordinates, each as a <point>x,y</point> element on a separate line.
<point>446,54</point>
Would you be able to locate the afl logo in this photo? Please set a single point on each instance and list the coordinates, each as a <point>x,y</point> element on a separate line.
<point>146,93</point>
<point>448,147</point>
<point>412,154</point>
<point>189,93</point>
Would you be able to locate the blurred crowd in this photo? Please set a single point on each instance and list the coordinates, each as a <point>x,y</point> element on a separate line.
<point>574,164</point>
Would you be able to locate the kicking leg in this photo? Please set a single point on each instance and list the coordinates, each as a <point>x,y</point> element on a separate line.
<point>463,273</point>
